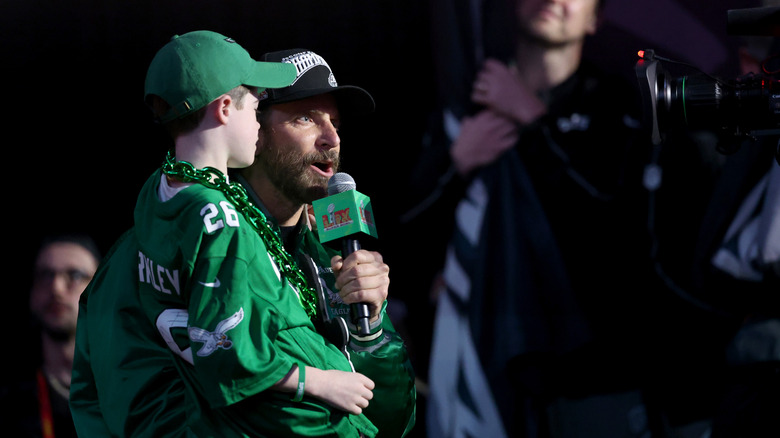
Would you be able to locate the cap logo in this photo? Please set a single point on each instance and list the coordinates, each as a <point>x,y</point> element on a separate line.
<point>305,61</point>
<point>230,40</point>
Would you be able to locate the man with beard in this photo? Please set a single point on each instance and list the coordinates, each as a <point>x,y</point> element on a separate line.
<point>199,322</point>
<point>298,152</point>
<point>38,406</point>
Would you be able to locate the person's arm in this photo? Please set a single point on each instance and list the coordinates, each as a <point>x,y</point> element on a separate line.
<point>350,392</point>
<point>362,277</point>
<point>381,355</point>
<point>459,146</point>
<point>498,87</point>
<point>84,403</point>
<point>508,104</point>
<point>482,138</point>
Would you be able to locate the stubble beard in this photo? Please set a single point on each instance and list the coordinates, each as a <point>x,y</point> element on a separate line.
<point>57,331</point>
<point>290,172</point>
<point>541,38</point>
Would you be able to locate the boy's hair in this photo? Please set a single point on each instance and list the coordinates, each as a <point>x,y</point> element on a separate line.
<point>188,123</point>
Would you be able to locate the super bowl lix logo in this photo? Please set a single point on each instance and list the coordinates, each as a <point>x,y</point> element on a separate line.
<point>336,218</point>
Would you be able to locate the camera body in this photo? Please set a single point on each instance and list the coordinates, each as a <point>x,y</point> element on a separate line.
<point>746,106</point>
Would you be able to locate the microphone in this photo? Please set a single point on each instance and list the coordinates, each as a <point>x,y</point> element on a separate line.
<point>344,215</point>
<point>341,182</point>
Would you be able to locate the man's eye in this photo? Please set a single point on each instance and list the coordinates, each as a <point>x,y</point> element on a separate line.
<point>71,276</point>
<point>45,275</point>
<point>76,275</point>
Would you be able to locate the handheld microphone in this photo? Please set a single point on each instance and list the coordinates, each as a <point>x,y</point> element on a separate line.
<point>344,215</point>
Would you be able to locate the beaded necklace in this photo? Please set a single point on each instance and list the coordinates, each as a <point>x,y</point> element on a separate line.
<point>214,179</point>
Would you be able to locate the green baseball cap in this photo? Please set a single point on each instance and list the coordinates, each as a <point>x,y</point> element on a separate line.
<point>195,68</point>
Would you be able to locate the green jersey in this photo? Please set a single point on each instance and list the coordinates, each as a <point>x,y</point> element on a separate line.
<point>381,355</point>
<point>188,324</point>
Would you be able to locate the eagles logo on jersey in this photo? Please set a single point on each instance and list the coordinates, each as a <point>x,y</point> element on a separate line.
<point>216,339</point>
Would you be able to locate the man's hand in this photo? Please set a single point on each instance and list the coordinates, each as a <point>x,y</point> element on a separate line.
<point>481,140</point>
<point>499,88</point>
<point>362,278</point>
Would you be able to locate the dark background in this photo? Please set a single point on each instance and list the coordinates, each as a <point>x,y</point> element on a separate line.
<point>80,142</point>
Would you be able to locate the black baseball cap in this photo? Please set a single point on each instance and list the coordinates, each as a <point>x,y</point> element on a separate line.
<point>314,77</point>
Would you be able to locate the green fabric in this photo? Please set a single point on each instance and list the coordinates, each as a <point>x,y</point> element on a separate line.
<point>384,360</point>
<point>147,361</point>
<point>134,389</point>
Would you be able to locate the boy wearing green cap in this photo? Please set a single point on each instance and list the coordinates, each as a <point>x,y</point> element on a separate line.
<point>172,336</point>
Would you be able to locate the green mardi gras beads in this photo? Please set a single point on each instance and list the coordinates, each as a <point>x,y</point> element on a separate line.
<point>214,179</point>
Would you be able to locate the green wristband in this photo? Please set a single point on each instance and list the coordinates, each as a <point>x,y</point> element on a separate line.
<point>301,383</point>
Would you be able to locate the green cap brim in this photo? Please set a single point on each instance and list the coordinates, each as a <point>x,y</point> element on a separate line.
<point>271,75</point>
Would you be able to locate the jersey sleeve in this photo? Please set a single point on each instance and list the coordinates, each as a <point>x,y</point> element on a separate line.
<point>85,407</point>
<point>384,359</point>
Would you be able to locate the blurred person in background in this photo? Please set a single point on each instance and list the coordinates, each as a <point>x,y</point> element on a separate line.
<point>36,405</point>
<point>534,184</point>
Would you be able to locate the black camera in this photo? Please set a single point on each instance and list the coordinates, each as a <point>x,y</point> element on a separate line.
<point>746,106</point>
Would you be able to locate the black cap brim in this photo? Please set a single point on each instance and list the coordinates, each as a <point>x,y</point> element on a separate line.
<point>350,99</point>
<point>315,78</point>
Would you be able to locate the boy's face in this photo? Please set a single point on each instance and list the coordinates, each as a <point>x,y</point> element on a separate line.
<point>299,147</point>
<point>557,22</point>
<point>245,133</point>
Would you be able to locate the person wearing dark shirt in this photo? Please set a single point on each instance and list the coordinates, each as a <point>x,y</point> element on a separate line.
<point>36,403</point>
<point>535,190</point>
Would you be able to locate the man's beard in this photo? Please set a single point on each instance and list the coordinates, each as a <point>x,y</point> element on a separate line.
<point>290,172</point>
<point>56,332</point>
<point>59,334</point>
<point>541,39</point>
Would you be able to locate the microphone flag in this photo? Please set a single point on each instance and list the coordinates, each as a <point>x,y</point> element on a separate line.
<point>344,214</point>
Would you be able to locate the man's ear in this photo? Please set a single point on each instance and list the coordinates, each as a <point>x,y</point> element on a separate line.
<point>596,22</point>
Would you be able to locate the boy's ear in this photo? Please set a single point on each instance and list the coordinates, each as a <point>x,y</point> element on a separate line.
<point>222,106</point>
